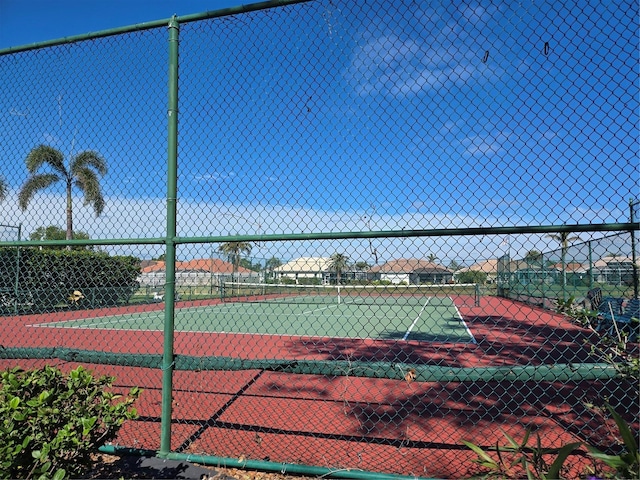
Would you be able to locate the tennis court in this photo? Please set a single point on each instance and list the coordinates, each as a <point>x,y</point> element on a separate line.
<point>398,313</point>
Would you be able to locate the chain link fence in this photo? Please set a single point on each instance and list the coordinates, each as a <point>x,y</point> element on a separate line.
<point>427,180</point>
<point>541,278</point>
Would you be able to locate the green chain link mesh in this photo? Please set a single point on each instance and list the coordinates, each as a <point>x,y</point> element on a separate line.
<point>381,208</point>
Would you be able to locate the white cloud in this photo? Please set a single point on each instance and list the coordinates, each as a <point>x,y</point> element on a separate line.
<point>146,218</point>
<point>485,145</point>
<point>213,177</point>
<point>392,64</point>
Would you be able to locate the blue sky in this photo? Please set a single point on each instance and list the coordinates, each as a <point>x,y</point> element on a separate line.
<point>329,118</point>
<point>24,22</point>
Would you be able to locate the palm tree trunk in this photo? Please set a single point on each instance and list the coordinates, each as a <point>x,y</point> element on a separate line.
<point>565,247</point>
<point>69,214</point>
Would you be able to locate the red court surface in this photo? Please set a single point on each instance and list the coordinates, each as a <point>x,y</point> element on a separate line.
<point>390,426</point>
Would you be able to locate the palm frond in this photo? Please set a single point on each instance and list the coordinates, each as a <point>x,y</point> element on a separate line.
<point>235,248</point>
<point>564,238</point>
<point>87,181</point>
<point>43,154</point>
<point>338,262</point>
<point>33,185</point>
<point>88,160</point>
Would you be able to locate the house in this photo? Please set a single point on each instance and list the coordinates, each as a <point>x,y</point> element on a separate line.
<point>571,267</point>
<point>489,267</point>
<point>304,270</point>
<point>203,271</point>
<point>614,270</point>
<point>411,271</point>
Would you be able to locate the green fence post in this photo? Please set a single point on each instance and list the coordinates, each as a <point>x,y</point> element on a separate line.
<point>634,265</point>
<point>172,174</point>
<point>590,271</point>
<point>18,270</point>
<point>543,285</point>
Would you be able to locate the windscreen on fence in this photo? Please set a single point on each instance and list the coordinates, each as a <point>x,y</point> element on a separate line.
<point>333,235</point>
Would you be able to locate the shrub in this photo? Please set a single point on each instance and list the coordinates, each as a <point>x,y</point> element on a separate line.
<point>46,278</point>
<point>472,276</point>
<point>51,423</point>
<point>516,458</point>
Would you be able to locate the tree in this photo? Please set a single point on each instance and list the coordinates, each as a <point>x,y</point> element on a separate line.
<point>338,263</point>
<point>248,264</point>
<point>56,233</point>
<point>83,172</point>
<point>270,265</point>
<point>564,238</point>
<point>432,258</point>
<point>472,276</point>
<point>362,266</point>
<point>533,257</point>
<point>233,251</point>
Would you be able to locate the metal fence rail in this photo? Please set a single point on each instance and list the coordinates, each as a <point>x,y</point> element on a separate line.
<point>461,170</point>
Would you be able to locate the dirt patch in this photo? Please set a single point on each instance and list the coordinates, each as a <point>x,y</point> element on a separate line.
<point>134,467</point>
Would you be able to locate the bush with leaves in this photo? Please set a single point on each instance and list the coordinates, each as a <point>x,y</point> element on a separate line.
<point>626,463</point>
<point>612,346</point>
<point>581,316</point>
<point>51,423</point>
<point>518,458</point>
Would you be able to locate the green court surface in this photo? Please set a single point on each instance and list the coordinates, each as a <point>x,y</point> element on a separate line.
<point>433,319</point>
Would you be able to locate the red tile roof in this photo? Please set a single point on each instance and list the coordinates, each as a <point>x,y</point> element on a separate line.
<point>407,265</point>
<point>213,265</point>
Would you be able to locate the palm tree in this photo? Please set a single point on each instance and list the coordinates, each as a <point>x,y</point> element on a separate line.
<point>432,258</point>
<point>533,257</point>
<point>271,264</point>
<point>564,238</point>
<point>338,262</point>
<point>362,266</point>
<point>83,172</point>
<point>3,189</point>
<point>234,251</point>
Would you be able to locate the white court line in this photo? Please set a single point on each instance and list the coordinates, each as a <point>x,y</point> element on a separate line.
<point>464,324</point>
<point>335,305</point>
<point>86,322</point>
<point>466,327</point>
<point>234,306</point>
<point>406,335</point>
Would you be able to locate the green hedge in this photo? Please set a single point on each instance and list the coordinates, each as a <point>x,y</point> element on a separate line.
<point>47,279</point>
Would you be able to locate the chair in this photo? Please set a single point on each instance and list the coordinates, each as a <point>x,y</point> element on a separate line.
<point>75,297</point>
<point>594,296</point>
<point>608,310</point>
<point>629,320</point>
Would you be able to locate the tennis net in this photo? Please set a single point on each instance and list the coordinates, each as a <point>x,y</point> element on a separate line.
<point>467,294</point>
